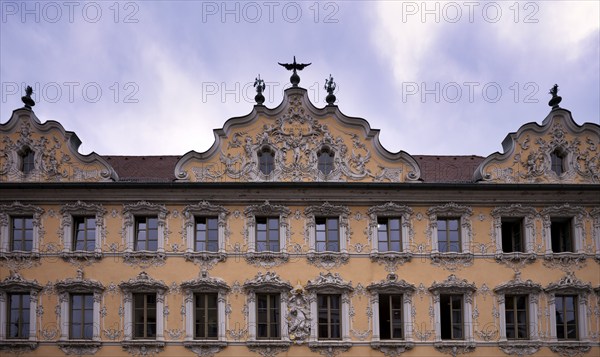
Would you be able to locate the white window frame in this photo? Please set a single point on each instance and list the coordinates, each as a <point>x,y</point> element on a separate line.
<point>79,285</point>
<point>390,210</point>
<point>143,208</point>
<point>208,285</point>
<point>392,286</point>
<point>570,285</point>
<point>518,287</point>
<point>143,284</point>
<point>329,284</point>
<point>595,214</point>
<point>527,214</point>
<point>203,209</point>
<point>269,283</point>
<point>449,211</point>
<point>15,284</point>
<point>327,210</point>
<point>82,209</point>
<point>576,215</point>
<point>454,286</point>
<point>7,212</point>
<point>267,210</point>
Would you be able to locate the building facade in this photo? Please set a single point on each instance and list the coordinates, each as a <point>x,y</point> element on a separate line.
<point>298,234</point>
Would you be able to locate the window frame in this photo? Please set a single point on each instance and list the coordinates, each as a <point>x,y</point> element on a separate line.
<point>461,324</point>
<point>388,234</point>
<point>144,209</point>
<point>145,312</point>
<point>459,287</point>
<point>205,296</point>
<point>269,283</point>
<point>328,310</point>
<point>565,242</point>
<point>274,298</point>
<point>70,212</point>
<point>265,152</point>
<point>267,231</point>
<point>18,209</point>
<point>569,285</point>
<point>392,321</point>
<point>204,285</point>
<point>324,165</point>
<point>23,230</point>
<point>145,220</point>
<point>23,313</point>
<point>514,326</point>
<point>83,321</point>
<point>206,241</point>
<point>269,210</point>
<point>16,284</point>
<point>204,209</point>
<point>527,216</point>
<point>326,231</point>
<point>26,160</point>
<point>327,210</point>
<point>447,231</point>
<point>142,284</point>
<point>450,210</point>
<point>577,215</point>
<point>565,325</point>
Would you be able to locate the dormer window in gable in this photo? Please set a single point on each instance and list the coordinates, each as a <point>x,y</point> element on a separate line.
<point>557,161</point>
<point>325,157</point>
<point>266,160</point>
<point>27,157</point>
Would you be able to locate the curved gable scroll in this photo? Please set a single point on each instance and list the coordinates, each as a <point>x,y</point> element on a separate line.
<point>297,135</point>
<point>558,151</point>
<point>31,151</point>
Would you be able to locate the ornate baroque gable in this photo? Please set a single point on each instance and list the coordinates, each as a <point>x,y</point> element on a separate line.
<point>558,151</point>
<point>53,153</point>
<point>295,134</point>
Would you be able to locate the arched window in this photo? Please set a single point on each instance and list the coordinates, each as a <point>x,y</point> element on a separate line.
<point>557,159</point>
<point>266,160</point>
<point>27,161</point>
<point>325,161</point>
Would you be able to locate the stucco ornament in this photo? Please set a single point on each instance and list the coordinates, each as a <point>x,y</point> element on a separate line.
<point>295,141</point>
<point>143,283</point>
<point>298,315</point>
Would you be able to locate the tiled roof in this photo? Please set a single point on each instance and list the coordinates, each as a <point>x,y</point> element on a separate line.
<point>448,169</point>
<point>435,169</point>
<point>144,168</point>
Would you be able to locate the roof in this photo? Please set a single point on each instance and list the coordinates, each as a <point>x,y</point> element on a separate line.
<point>434,169</point>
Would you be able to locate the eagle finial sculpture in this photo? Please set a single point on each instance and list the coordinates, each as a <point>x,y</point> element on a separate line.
<point>295,79</point>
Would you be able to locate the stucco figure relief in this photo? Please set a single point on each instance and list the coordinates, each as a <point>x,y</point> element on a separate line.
<point>295,141</point>
<point>299,315</point>
<point>52,160</point>
<point>559,151</point>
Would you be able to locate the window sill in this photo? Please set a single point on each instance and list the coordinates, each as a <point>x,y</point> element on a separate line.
<point>268,347</point>
<point>143,347</point>
<point>387,258</point>
<point>18,347</point>
<point>145,258</point>
<point>327,260</point>
<point>205,256</point>
<point>520,347</point>
<point>516,257</point>
<point>329,348</point>
<point>205,347</point>
<point>392,347</point>
<point>79,347</point>
<point>564,260</point>
<point>570,348</point>
<point>266,259</point>
<point>81,255</point>
<point>454,347</point>
<point>20,255</point>
<point>451,260</point>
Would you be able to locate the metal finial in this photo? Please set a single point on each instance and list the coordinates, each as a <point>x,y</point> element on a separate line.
<point>295,78</point>
<point>556,99</point>
<point>330,87</point>
<point>27,98</point>
<point>260,87</point>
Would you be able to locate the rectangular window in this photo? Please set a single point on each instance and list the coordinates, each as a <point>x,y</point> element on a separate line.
<point>389,235</point>
<point>268,316</point>
<point>84,233</point>
<point>516,316</point>
<point>451,319</point>
<point>18,316</point>
<point>206,316</point>
<point>81,321</point>
<point>327,235</point>
<point>146,233</point>
<point>267,234</point>
<point>144,315</point>
<point>329,317</point>
<point>390,317</point>
<point>207,234</point>
<point>512,235</point>
<point>22,233</point>
<point>566,317</point>
<point>561,235</point>
<point>448,234</point>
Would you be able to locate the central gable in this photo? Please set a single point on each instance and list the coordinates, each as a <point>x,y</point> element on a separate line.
<point>297,142</point>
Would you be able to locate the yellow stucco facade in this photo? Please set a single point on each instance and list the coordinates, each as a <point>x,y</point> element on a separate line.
<point>330,187</point>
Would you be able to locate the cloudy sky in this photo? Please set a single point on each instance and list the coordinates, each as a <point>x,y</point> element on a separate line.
<point>439,78</point>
